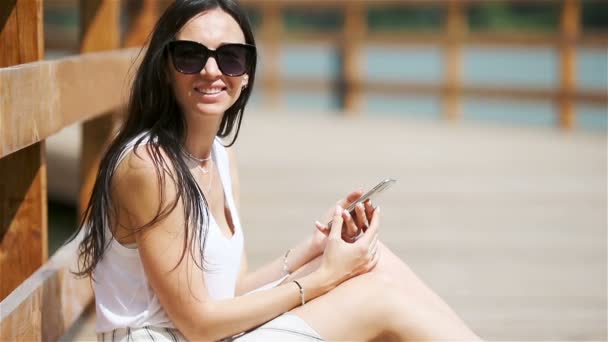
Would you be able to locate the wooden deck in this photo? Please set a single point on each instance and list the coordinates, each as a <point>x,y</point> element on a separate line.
<point>507,224</point>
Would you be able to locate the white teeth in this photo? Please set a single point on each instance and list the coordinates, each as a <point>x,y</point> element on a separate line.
<point>209,91</point>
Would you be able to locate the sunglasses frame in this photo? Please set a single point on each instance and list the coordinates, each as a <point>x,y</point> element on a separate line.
<point>251,50</point>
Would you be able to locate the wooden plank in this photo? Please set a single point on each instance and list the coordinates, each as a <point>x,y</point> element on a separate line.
<point>23,203</point>
<point>486,39</point>
<point>404,3</point>
<point>354,30</point>
<point>507,207</point>
<point>84,87</point>
<point>44,306</point>
<point>100,31</point>
<point>21,32</point>
<point>570,28</point>
<point>99,25</point>
<point>271,34</point>
<point>142,17</point>
<point>593,40</point>
<point>23,216</point>
<point>431,88</point>
<point>455,30</point>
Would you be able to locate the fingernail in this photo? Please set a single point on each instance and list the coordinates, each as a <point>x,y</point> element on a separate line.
<point>339,210</point>
<point>360,206</point>
<point>346,213</point>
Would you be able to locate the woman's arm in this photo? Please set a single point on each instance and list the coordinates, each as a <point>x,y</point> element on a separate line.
<point>179,283</point>
<point>274,270</point>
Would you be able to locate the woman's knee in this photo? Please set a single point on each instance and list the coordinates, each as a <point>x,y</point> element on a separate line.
<point>387,307</point>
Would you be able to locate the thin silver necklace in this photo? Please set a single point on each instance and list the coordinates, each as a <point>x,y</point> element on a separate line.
<point>200,160</point>
<point>206,171</point>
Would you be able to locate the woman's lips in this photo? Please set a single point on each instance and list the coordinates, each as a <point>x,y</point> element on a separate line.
<point>210,94</point>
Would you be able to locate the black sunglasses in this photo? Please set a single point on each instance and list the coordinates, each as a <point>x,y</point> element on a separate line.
<point>191,57</point>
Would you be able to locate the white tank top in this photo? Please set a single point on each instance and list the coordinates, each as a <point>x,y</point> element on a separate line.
<point>123,296</point>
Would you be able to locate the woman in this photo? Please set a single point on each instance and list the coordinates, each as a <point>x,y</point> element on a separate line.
<point>162,236</point>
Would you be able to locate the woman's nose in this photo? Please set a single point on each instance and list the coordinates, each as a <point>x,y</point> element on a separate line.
<point>211,68</point>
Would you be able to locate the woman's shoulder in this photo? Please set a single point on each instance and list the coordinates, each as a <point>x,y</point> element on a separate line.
<point>138,172</point>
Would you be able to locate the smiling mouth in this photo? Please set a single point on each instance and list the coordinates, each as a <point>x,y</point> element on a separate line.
<point>209,91</point>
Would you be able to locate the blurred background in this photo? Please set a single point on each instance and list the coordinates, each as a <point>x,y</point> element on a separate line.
<point>493,115</point>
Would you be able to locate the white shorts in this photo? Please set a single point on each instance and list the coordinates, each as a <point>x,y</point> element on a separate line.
<point>287,327</point>
<point>149,333</point>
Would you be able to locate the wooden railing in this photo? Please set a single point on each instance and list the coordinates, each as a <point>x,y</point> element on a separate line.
<point>452,38</point>
<point>40,299</point>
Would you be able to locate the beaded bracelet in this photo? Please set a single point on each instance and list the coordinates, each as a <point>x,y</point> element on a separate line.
<point>301,291</point>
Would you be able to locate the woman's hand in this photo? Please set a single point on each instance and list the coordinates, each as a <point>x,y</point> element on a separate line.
<point>351,227</point>
<point>343,260</point>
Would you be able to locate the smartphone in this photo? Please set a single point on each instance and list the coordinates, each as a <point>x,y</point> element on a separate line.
<point>383,185</point>
<point>379,188</point>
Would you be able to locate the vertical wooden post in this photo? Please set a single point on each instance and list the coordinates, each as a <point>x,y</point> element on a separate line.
<point>23,193</point>
<point>99,31</point>
<point>354,31</point>
<point>455,30</point>
<point>570,29</point>
<point>142,17</point>
<point>272,30</point>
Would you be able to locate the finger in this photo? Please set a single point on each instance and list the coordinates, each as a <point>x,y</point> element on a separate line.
<point>336,225</point>
<point>361,217</point>
<point>350,198</point>
<point>369,208</point>
<point>372,231</point>
<point>322,228</point>
<point>351,227</point>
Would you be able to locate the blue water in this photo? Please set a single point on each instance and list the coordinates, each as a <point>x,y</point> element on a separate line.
<point>484,66</point>
<point>414,63</point>
<point>533,67</point>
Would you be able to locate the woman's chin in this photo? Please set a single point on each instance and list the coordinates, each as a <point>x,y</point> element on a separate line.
<point>211,109</point>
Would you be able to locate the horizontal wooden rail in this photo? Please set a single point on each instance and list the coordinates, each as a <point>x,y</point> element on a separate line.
<point>490,39</point>
<point>44,306</point>
<point>380,3</point>
<point>39,99</point>
<point>401,88</point>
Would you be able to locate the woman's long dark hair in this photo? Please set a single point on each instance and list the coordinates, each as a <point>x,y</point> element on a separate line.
<point>153,108</point>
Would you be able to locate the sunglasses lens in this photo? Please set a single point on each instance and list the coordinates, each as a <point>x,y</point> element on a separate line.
<point>188,58</point>
<point>233,59</point>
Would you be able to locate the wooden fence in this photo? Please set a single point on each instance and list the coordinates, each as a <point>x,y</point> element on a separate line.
<point>452,38</point>
<point>40,298</point>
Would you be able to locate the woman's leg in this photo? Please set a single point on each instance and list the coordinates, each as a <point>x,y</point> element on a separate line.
<point>389,301</point>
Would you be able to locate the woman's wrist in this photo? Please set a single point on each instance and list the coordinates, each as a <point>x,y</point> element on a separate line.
<point>316,284</point>
<point>313,248</point>
<point>298,256</point>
